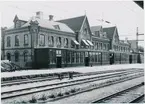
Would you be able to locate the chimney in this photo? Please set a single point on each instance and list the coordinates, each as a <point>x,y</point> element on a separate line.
<point>39,14</point>
<point>50,17</point>
<point>126,39</point>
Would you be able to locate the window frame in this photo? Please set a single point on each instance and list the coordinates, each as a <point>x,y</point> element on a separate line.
<point>40,41</point>
<point>17,59</point>
<point>26,36</point>
<point>17,41</point>
<point>8,41</point>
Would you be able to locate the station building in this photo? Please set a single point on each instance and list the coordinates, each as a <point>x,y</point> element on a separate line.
<point>45,43</point>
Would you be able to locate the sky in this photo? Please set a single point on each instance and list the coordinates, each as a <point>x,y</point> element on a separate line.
<point>126,15</point>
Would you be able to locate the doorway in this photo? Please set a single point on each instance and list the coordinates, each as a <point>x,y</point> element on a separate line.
<point>86,61</point>
<point>58,64</point>
<point>111,58</point>
<point>130,59</point>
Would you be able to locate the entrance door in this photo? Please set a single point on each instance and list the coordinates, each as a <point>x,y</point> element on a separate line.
<point>130,59</point>
<point>111,58</point>
<point>86,61</point>
<point>58,64</point>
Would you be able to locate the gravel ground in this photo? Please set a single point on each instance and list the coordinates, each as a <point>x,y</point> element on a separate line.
<point>127,97</point>
<point>38,95</point>
<point>90,96</point>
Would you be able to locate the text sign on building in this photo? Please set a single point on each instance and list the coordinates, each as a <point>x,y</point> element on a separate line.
<point>58,53</point>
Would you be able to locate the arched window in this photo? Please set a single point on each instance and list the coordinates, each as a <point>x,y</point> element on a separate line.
<point>52,40</point>
<point>8,41</point>
<point>66,42</point>
<point>59,39</point>
<point>9,56</point>
<point>25,56</point>
<point>16,40</point>
<point>26,39</point>
<point>16,56</point>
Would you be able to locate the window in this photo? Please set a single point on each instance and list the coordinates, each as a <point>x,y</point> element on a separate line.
<point>97,46</point>
<point>85,31</point>
<point>52,57</point>
<point>26,39</point>
<point>51,41</point>
<point>108,47</point>
<point>25,56</point>
<point>97,33</point>
<point>42,40</point>
<point>16,40</point>
<point>8,41</point>
<point>105,47</point>
<point>9,56</point>
<point>57,27</point>
<point>82,57</point>
<point>68,57</point>
<point>65,42</point>
<point>101,45</point>
<point>16,56</point>
<point>58,41</point>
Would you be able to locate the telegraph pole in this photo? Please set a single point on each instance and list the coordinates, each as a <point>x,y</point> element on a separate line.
<point>137,40</point>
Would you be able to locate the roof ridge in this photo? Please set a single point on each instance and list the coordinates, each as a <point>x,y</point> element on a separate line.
<point>71,18</point>
<point>109,27</point>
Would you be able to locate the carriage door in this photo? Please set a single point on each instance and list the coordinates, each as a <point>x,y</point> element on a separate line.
<point>86,59</point>
<point>111,58</point>
<point>130,59</point>
<point>58,58</point>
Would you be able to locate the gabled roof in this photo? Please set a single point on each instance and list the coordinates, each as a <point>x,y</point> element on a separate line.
<point>95,28</point>
<point>109,31</point>
<point>74,23</point>
<point>16,18</point>
<point>49,24</point>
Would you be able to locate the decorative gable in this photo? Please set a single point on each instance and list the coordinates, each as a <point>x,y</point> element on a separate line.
<point>115,36</point>
<point>85,31</point>
<point>17,22</point>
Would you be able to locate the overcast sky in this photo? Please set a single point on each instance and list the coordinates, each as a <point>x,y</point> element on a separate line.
<point>126,15</point>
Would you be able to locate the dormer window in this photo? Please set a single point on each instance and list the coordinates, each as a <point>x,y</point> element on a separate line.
<point>85,31</point>
<point>97,33</point>
<point>57,27</point>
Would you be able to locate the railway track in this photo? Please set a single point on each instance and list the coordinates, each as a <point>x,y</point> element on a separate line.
<point>138,99</point>
<point>71,81</point>
<point>33,80</point>
<point>118,94</point>
<point>75,82</point>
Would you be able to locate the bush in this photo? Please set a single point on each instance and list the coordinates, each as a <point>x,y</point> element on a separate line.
<point>24,101</point>
<point>67,93</point>
<point>60,94</point>
<point>33,100</point>
<point>72,90</point>
<point>43,97</point>
<point>51,96</point>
